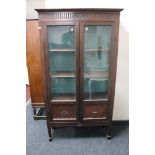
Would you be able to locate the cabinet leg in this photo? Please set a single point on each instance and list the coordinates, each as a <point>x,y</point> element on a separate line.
<point>109,129</point>
<point>49,131</point>
<point>34,111</point>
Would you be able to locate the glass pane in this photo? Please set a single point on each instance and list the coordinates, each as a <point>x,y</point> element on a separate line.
<point>96,61</point>
<point>61,37</point>
<point>62,62</point>
<point>63,88</point>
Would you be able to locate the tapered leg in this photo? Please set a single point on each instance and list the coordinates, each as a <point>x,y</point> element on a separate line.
<point>109,129</point>
<point>49,131</point>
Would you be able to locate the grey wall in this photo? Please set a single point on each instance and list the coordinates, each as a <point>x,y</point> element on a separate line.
<point>31,5</point>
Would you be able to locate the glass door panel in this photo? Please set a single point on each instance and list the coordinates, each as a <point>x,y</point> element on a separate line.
<point>62,62</point>
<point>96,61</point>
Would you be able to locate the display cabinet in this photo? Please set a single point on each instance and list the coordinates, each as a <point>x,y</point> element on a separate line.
<point>79,59</point>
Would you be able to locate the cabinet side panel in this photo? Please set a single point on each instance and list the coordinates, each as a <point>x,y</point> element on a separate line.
<point>33,53</point>
<point>113,69</point>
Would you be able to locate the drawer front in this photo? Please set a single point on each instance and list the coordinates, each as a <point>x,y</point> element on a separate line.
<point>64,112</point>
<point>94,112</point>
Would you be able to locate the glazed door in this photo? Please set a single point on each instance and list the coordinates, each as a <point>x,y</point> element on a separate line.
<point>95,50</point>
<point>63,75</point>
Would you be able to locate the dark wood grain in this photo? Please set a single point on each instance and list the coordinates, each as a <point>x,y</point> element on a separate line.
<point>64,112</point>
<point>95,111</point>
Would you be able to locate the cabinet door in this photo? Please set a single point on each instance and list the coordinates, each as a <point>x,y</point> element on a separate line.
<point>95,54</point>
<point>63,56</point>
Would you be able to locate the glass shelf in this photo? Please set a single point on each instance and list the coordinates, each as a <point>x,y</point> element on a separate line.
<point>96,75</point>
<point>61,50</point>
<point>95,97</point>
<point>63,97</point>
<point>63,74</point>
<point>96,50</point>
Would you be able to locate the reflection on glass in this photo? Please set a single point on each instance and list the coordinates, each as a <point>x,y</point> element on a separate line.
<point>61,37</point>
<point>62,63</point>
<point>96,61</point>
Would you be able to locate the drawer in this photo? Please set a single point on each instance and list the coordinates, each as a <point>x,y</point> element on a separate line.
<point>64,112</point>
<point>95,111</point>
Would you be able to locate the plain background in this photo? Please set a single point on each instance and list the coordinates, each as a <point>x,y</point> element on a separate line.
<point>121,102</point>
<point>141,74</point>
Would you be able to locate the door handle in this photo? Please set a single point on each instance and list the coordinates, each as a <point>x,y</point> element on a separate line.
<point>94,112</point>
<point>64,112</point>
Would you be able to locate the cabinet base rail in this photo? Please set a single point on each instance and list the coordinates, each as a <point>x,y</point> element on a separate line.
<point>52,128</point>
<point>39,113</point>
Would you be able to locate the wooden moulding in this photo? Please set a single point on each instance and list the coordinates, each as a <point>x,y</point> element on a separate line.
<point>81,9</point>
<point>79,14</point>
<point>38,104</point>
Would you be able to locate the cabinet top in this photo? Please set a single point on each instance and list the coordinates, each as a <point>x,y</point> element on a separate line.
<point>81,9</point>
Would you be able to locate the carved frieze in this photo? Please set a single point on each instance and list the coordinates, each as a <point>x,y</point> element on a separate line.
<point>107,16</point>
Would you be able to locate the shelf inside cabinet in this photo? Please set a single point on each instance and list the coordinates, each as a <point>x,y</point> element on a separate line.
<point>63,98</point>
<point>96,75</point>
<point>96,50</point>
<point>61,50</point>
<point>63,74</point>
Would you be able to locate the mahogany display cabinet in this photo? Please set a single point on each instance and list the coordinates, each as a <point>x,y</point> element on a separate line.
<point>79,60</point>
